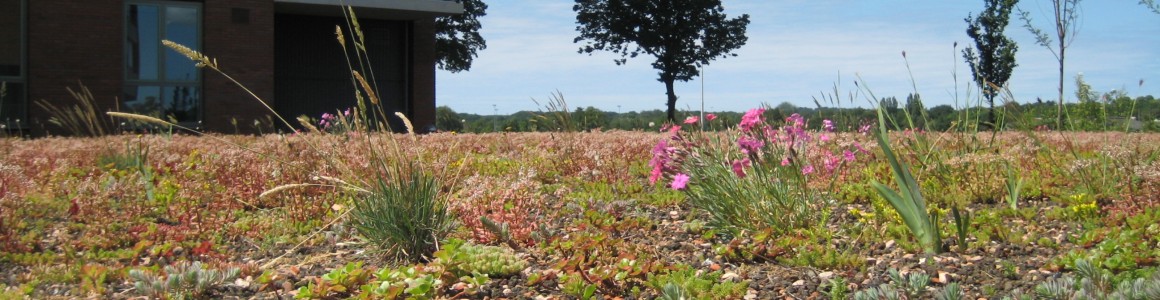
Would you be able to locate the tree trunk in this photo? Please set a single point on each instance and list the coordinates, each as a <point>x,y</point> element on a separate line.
<point>672,102</point>
<point>1059,110</point>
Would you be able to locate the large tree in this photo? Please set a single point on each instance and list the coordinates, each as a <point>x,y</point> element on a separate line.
<point>993,57</point>
<point>457,39</point>
<point>1066,25</point>
<point>682,35</point>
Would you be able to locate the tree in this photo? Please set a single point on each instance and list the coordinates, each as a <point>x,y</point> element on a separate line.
<point>1066,17</point>
<point>1151,4</point>
<point>447,120</point>
<point>995,60</point>
<point>683,35</point>
<point>457,39</point>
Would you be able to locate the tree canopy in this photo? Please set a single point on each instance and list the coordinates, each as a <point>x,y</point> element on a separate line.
<point>993,58</point>
<point>457,38</point>
<point>682,35</point>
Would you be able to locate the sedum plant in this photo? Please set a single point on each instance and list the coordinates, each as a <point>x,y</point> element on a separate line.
<point>180,281</point>
<point>463,259</point>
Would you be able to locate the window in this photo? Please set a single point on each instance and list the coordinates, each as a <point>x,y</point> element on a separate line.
<point>159,81</point>
<point>12,98</point>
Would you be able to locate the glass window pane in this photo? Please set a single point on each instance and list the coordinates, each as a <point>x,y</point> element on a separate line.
<point>10,42</point>
<point>181,26</point>
<point>182,103</point>
<point>11,103</point>
<point>142,42</point>
<point>143,99</point>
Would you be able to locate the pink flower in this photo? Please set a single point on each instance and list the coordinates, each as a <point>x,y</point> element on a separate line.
<point>749,145</point>
<point>824,138</point>
<point>710,117</point>
<point>751,118</point>
<point>860,149</point>
<point>691,120</point>
<point>865,129</point>
<point>785,161</point>
<point>807,170</point>
<point>739,167</point>
<point>675,128</point>
<point>849,155</point>
<point>831,162</point>
<point>347,112</point>
<point>828,125</point>
<point>654,175</point>
<point>680,181</point>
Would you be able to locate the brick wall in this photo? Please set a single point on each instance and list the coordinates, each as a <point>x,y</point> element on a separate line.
<point>245,51</point>
<point>71,41</point>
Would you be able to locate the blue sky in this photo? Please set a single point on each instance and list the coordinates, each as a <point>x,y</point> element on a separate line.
<point>796,51</point>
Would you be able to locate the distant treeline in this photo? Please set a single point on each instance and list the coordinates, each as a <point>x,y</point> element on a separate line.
<point>1108,112</point>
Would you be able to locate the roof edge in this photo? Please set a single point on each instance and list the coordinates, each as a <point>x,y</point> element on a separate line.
<point>439,7</point>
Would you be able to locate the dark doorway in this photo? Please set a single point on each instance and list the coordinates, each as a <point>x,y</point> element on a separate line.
<point>312,76</point>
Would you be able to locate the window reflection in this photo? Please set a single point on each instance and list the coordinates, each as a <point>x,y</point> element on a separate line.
<point>143,42</point>
<point>180,27</point>
<point>159,81</point>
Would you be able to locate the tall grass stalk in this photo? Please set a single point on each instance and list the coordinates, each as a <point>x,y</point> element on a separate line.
<point>80,119</point>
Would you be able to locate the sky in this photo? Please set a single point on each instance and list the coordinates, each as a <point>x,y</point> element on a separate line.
<point>801,50</point>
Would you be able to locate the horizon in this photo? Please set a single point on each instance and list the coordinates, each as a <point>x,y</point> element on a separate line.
<point>795,53</point>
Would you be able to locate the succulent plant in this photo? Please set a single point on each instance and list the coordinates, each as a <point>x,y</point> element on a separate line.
<point>1095,283</point>
<point>911,286</point>
<point>180,281</point>
<point>463,259</point>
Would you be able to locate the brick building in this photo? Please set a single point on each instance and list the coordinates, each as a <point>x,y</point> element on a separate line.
<point>285,51</point>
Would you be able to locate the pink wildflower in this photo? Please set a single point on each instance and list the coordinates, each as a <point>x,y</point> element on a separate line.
<point>675,128</point>
<point>828,125</point>
<point>831,162</point>
<point>347,112</point>
<point>739,167</point>
<point>860,149</point>
<point>865,129</point>
<point>824,138</point>
<point>807,170</point>
<point>849,155</point>
<point>710,117</point>
<point>785,161</point>
<point>751,118</point>
<point>680,181</point>
<point>749,145</point>
<point>691,120</point>
<point>654,175</point>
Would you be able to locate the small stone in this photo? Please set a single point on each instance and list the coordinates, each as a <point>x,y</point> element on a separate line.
<point>799,282</point>
<point>871,261</point>
<point>243,282</point>
<point>507,292</point>
<point>730,277</point>
<point>750,294</point>
<point>889,244</point>
<point>825,275</point>
<point>707,263</point>
<point>674,215</point>
<point>908,256</point>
